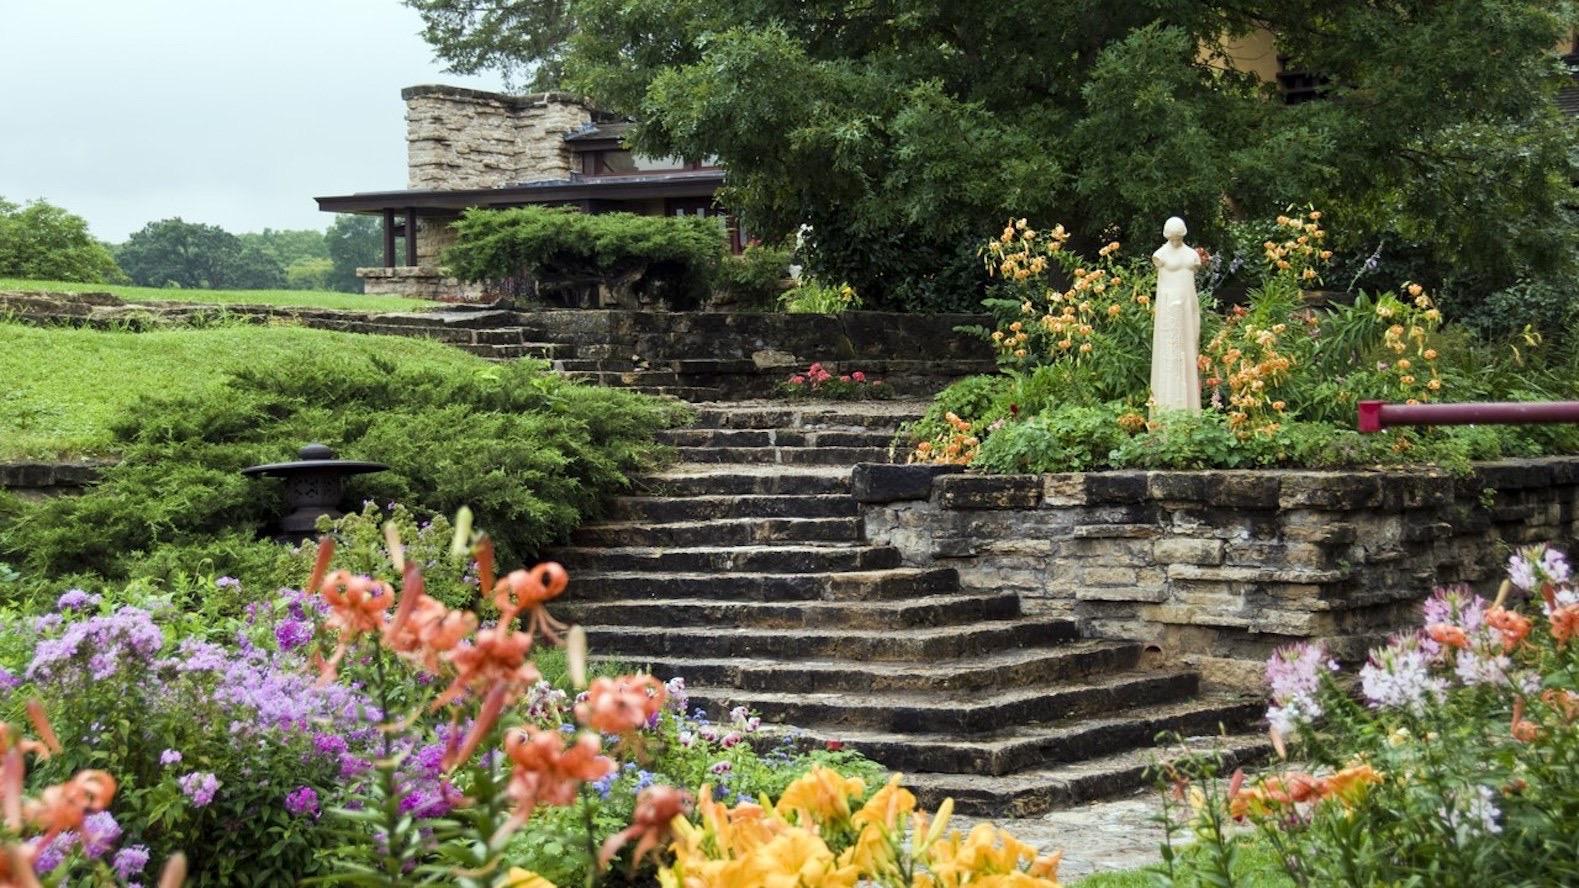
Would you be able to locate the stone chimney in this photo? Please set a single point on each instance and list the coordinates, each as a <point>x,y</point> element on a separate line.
<point>463,138</point>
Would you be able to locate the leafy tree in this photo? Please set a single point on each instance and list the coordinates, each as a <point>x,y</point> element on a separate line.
<point>288,246</point>
<point>900,129</point>
<point>44,242</point>
<point>353,242</point>
<point>310,274</point>
<point>173,252</point>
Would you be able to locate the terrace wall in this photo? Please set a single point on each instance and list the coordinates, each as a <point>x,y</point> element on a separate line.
<point>1221,567</point>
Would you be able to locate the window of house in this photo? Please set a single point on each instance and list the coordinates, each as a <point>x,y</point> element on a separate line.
<point>626,163</point>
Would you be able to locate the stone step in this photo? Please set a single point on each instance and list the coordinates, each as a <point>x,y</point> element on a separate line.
<point>696,437</point>
<point>721,532</point>
<point>501,336</point>
<point>973,712</point>
<point>513,352</point>
<point>997,669</point>
<point>927,612</point>
<point>454,335</point>
<point>1023,747</point>
<point>728,559</point>
<point>689,393</point>
<point>657,509</point>
<point>635,643</point>
<point>839,456</point>
<point>1033,793</point>
<point>866,585</point>
<point>885,415</point>
<point>713,479</point>
<point>645,379</point>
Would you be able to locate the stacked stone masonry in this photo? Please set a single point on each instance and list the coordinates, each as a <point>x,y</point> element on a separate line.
<point>1220,567</point>
<point>460,138</point>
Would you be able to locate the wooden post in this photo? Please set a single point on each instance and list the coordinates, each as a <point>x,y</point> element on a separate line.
<point>411,236</point>
<point>389,238</point>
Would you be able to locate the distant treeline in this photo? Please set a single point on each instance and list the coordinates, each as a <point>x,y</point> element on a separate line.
<point>45,242</point>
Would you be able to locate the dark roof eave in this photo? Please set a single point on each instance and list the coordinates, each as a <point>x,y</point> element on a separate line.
<point>518,195</point>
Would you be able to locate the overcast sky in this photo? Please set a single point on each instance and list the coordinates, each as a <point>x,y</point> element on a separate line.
<point>222,111</point>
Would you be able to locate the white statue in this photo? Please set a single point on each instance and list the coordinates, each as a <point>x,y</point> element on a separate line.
<point>1176,334</point>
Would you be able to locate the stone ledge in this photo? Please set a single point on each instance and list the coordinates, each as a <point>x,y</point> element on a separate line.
<point>43,475</point>
<point>987,491</point>
<point>884,483</point>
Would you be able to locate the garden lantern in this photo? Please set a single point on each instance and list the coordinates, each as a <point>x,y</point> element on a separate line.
<point>314,485</point>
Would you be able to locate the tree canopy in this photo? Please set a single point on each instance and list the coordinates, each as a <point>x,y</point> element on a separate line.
<point>44,242</point>
<point>900,130</point>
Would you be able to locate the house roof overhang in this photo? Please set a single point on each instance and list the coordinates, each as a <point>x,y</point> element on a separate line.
<point>695,183</point>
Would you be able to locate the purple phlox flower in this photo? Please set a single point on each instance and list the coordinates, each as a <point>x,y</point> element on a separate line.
<point>131,860</point>
<point>1399,676</point>
<point>197,655</point>
<point>604,785</point>
<point>227,583</point>
<point>330,744</point>
<point>76,599</point>
<point>1554,567</point>
<point>8,681</point>
<point>302,801</point>
<point>54,853</point>
<point>102,643</point>
<point>100,832</point>
<point>1476,668</point>
<point>47,623</point>
<point>170,757</point>
<point>199,787</point>
<point>352,766</point>
<point>1521,572</point>
<point>644,779</point>
<point>291,634</point>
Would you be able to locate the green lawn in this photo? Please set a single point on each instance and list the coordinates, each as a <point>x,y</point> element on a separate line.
<point>305,298</point>
<point>60,387</point>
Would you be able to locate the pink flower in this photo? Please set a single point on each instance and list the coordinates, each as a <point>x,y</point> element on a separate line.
<point>815,369</point>
<point>844,378</point>
<point>797,379</point>
<point>858,376</point>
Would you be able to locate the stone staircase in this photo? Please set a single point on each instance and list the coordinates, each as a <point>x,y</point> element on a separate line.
<point>745,569</point>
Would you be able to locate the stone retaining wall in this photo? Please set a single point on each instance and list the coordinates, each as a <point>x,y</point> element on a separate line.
<point>418,282</point>
<point>33,479</point>
<point>1220,567</point>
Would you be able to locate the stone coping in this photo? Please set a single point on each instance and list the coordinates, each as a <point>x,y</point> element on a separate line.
<point>515,100</point>
<point>50,474</point>
<point>950,487</point>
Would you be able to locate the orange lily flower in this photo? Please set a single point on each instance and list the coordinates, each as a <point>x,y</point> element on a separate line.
<point>529,590</point>
<point>1523,730</point>
<point>65,805</point>
<point>1565,701</point>
<point>620,706</point>
<point>548,771</point>
<point>1512,625</point>
<point>1565,622</point>
<point>1448,635</point>
<point>656,808</point>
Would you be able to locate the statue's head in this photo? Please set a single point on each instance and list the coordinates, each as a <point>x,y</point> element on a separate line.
<point>1173,228</point>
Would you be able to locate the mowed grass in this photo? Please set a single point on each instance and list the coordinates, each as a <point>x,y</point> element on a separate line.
<point>303,298</point>
<point>60,388</point>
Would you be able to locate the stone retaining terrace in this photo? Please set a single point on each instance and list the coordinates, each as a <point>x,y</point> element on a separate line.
<point>1218,568</point>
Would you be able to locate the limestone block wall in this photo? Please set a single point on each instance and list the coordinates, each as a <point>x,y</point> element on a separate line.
<point>463,138</point>
<point>1221,567</point>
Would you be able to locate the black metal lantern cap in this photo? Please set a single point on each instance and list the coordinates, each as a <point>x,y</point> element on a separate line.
<point>314,485</point>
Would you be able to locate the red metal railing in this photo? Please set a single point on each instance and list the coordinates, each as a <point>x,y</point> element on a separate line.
<point>1375,415</point>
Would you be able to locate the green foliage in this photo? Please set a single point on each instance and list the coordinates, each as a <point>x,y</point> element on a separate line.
<point>528,452</point>
<point>896,132</point>
<point>755,279</point>
<point>174,253</point>
<point>1066,439</point>
<point>672,258</point>
<point>287,246</point>
<point>310,274</point>
<point>353,242</point>
<point>41,240</point>
<point>811,296</point>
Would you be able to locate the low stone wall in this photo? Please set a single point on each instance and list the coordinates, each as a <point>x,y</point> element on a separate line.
<point>34,479</point>
<point>1221,567</point>
<point>418,282</point>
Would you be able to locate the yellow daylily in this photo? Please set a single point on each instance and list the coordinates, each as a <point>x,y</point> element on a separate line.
<point>520,878</point>
<point>822,796</point>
